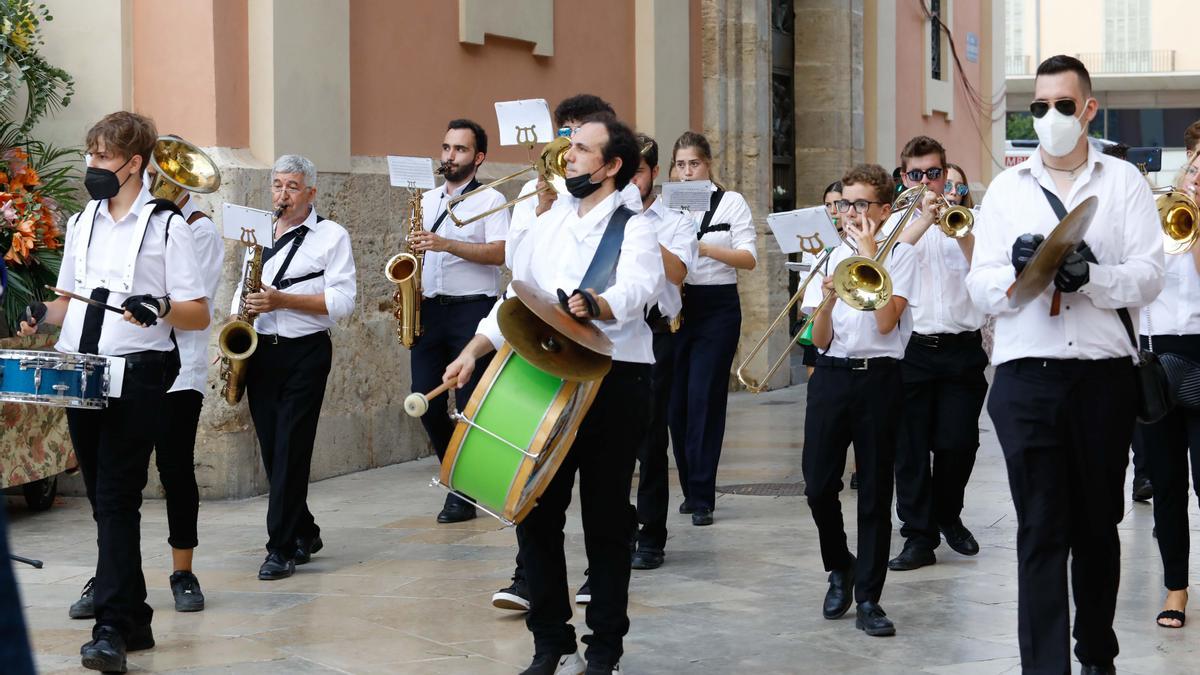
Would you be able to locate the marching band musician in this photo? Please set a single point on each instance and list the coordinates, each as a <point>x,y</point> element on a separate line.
<point>1063,400</point>
<point>1171,324</point>
<point>708,338</point>
<point>162,291</point>
<point>554,255</point>
<point>854,396</point>
<point>944,384</point>
<point>677,244</point>
<point>460,279</point>
<point>311,286</point>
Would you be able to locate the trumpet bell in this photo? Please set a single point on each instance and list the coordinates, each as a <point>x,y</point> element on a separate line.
<point>1178,214</point>
<point>180,167</point>
<point>956,222</point>
<point>862,283</point>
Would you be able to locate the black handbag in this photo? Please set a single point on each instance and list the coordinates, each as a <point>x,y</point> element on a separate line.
<point>1153,389</point>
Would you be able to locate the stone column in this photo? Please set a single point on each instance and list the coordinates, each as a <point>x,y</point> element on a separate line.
<point>663,92</point>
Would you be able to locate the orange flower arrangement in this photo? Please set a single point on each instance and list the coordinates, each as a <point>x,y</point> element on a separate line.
<point>28,216</point>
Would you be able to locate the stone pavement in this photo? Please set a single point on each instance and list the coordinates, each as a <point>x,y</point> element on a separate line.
<point>392,592</point>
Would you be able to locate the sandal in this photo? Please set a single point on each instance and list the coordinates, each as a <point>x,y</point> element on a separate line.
<point>1168,614</point>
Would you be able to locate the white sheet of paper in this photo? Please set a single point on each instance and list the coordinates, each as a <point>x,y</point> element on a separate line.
<point>236,219</point>
<point>525,122</point>
<point>116,375</point>
<point>808,230</point>
<point>415,172</point>
<point>692,195</point>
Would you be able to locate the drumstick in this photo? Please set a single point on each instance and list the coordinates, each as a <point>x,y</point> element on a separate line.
<point>418,404</point>
<point>85,299</point>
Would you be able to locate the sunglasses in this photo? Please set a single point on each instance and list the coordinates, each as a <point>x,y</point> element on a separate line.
<point>860,205</point>
<point>915,175</point>
<point>959,189</point>
<point>1066,106</point>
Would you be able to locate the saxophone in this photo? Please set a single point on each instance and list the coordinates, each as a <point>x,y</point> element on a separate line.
<point>404,270</point>
<point>238,339</point>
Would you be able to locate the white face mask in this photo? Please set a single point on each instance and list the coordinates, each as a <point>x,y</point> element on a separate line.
<point>1058,133</point>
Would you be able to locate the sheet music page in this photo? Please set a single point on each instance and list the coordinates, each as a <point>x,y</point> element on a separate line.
<point>236,218</point>
<point>692,195</point>
<point>525,122</point>
<point>809,230</point>
<point>414,172</point>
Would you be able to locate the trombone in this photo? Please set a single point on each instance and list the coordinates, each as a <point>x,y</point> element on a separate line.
<point>551,167</point>
<point>860,282</point>
<point>1177,212</point>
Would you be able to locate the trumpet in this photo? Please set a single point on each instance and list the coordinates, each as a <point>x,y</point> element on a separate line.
<point>955,221</point>
<point>550,166</point>
<point>1177,212</point>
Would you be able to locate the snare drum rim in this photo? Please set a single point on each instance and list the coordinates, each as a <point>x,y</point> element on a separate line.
<point>84,364</point>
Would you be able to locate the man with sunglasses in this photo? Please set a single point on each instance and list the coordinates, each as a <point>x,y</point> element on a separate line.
<point>944,385</point>
<point>1063,400</point>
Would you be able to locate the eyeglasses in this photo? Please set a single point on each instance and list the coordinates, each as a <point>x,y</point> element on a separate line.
<point>915,175</point>
<point>860,205</point>
<point>568,132</point>
<point>1066,106</point>
<point>290,190</point>
<point>953,188</point>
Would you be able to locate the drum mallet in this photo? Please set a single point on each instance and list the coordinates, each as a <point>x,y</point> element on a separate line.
<point>418,404</point>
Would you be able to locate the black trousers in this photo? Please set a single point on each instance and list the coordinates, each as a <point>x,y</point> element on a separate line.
<point>175,455</point>
<point>113,447</point>
<point>603,454</point>
<point>285,385</point>
<point>1167,445</point>
<point>704,351</point>
<point>15,653</point>
<point>1065,427</point>
<point>863,407</point>
<point>944,389</point>
<point>446,330</point>
<point>653,489</point>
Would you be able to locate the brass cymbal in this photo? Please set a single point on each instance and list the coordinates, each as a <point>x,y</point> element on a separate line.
<point>545,335</point>
<point>1040,270</point>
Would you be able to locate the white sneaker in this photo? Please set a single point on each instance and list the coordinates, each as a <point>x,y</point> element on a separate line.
<point>571,664</point>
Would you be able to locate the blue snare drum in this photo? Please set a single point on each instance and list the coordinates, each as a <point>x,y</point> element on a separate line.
<point>54,378</point>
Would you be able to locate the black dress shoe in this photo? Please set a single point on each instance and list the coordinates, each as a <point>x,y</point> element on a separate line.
<point>646,559</point>
<point>141,637</point>
<point>873,621</point>
<point>702,516</point>
<point>305,548</point>
<point>1143,491</point>
<point>1097,670</point>
<point>840,593</point>
<point>276,567</point>
<point>456,512</point>
<point>913,556</point>
<point>105,652</point>
<point>685,508</point>
<point>959,538</point>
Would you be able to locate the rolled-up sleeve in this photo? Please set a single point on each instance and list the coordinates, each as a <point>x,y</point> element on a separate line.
<point>495,226</point>
<point>340,278</point>
<point>1137,278</point>
<point>639,272</point>
<point>66,270</point>
<point>489,326</point>
<point>183,272</point>
<point>991,271</point>
<point>682,240</point>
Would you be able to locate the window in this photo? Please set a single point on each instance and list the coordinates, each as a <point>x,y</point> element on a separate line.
<point>935,41</point>
<point>1126,36</point>
<point>1016,60</point>
<point>939,76</point>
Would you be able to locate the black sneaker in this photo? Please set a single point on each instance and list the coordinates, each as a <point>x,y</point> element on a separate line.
<point>646,559</point>
<point>584,595</point>
<point>105,651</point>
<point>186,589</point>
<point>556,664</point>
<point>685,508</point>
<point>514,597</point>
<point>85,606</point>
<point>1143,491</point>
<point>597,668</point>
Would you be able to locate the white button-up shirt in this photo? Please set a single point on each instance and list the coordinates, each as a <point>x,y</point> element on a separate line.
<point>525,213</point>
<point>556,252</point>
<point>326,248</point>
<point>676,234</point>
<point>193,344</point>
<point>1176,311</point>
<point>856,334</point>
<point>943,306</point>
<point>165,266</point>
<point>443,273</point>
<point>734,211</point>
<point>1124,236</point>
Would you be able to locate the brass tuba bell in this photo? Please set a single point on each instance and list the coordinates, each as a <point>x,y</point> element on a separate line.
<point>178,167</point>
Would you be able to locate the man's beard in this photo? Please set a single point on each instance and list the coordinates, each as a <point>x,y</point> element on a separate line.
<point>458,173</point>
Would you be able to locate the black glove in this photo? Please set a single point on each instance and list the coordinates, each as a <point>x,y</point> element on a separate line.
<point>1073,273</point>
<point>147,309</point>
<point>1023,249</point>
<point>34,312</point>
<point>593,306</point>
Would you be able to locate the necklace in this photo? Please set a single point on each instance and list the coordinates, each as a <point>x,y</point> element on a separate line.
<point>1070,172</point>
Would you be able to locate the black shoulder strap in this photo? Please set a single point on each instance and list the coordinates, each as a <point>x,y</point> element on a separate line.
<point>297,241</point>
<point>1061,212</point>
<point>705,228</point>
<point>604,262</point>
<point>438,223</point>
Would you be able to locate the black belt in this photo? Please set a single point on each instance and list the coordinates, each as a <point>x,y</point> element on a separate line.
<point>857,364</point>
<point>945,339</point>
<point>270,339</point>
<point>459,299</point>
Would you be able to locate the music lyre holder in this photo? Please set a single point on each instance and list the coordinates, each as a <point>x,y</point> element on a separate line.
<point>811,243</point>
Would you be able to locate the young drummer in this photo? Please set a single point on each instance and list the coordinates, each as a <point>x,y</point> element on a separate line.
<point>854,396</point>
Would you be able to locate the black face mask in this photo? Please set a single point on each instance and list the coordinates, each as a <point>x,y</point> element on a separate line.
<point>582,186</point>
<point>102,183</point>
